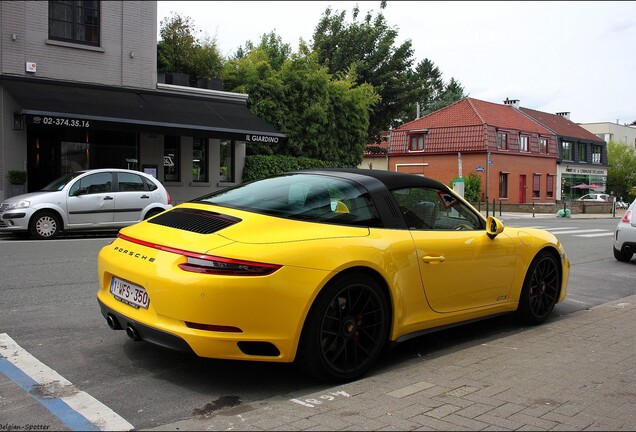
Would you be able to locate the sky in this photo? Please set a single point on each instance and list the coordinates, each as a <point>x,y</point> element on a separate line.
<point>577,57</point>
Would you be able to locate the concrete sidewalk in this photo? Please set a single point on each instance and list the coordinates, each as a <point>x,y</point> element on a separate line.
<point>575,372</point>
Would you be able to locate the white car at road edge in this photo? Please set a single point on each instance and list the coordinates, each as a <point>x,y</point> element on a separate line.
<point>625,235</point>
<point>97,199</point>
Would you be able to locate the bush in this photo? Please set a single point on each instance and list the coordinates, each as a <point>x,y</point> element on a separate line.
<point>258,166</point>
<point>17,177</point>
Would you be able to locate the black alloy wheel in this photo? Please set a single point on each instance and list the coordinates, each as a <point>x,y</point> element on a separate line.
<point>346,330</point>
<point>540,289</point>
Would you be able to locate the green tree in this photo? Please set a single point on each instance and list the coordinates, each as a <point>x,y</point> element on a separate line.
<point>179,50</point>
<point>451,93</point>
<point>621,176</point>
<point>370,46</point>
<point>472,187</point>
<point>272,44</point>
<point>426,84</point>
<point>324,117</point>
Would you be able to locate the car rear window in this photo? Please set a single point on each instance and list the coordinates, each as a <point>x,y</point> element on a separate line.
<point>302,197</point>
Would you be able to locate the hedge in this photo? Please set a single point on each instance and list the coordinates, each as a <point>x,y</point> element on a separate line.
<point>260,166</point>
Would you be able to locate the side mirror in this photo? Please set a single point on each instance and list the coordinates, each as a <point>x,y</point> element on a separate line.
<point>494,227</point>
<point>80,191</point>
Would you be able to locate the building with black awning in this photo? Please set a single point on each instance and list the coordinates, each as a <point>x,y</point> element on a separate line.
<point>97,103</point>
<point>159,111</point>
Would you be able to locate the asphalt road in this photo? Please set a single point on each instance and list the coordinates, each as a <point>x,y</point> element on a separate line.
<point>48,304</point>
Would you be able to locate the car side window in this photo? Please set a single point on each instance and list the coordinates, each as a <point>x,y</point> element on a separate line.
<point>92,184</point>
<point>129,182</point>
<point>432,209</point>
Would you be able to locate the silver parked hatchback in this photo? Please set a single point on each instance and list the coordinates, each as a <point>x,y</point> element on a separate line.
<point>625,235</point>
<point>97,199</point>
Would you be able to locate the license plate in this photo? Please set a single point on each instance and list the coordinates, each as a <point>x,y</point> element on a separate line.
<point>129,293</point>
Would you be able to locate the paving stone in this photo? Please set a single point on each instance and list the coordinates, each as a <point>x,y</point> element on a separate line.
<point>576,372</point>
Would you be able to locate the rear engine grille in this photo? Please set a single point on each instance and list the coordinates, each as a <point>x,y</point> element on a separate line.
<point>193,220</point>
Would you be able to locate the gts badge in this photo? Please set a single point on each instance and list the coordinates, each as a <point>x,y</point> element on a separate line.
<point>501,298</point>
<point>134,254</point>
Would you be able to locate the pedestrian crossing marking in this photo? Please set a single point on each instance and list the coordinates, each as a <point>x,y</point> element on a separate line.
<point>587,233</point>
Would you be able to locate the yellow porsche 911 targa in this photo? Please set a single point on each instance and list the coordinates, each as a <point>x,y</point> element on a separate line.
<point>323,268</point>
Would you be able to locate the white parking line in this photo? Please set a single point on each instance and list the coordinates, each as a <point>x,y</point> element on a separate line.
<point>76,409</point>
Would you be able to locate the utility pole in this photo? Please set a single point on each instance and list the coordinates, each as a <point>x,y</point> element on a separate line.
<point>487,179</point>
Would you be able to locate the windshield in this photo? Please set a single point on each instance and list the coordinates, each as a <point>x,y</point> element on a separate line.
<point>58,184</point>
<point>304,197</point>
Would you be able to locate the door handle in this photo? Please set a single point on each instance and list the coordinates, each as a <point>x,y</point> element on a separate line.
<point>108,198</point>
<point>145,196</point>
<point>434,259</point>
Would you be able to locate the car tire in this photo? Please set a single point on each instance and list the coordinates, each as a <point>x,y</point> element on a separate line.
<point>540,290</point>
<point>346,329</point>
<point>44,225</point>
<point>622,256</point>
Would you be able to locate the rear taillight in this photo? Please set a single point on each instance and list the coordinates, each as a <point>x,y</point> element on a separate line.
<point>210,264</point>
<point>169,198</point>
<point>627,217</point>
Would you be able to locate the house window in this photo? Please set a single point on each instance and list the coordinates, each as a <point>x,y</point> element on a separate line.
<point>227,160</point>
<point>549,186</point>
<point>596,154</point>
<point>543,145</point>
<point>523,143</point>
<point>502,141</point>
<point>171,158</point>
<point>582,152</point>
<point>536,185</point>
<point>566,150</point>
<point>503,185</point>
<point>200,160</point>
<point>416,142</point>
<point>75,21</point>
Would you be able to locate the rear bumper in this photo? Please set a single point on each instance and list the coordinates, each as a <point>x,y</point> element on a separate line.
<point>147,333</point>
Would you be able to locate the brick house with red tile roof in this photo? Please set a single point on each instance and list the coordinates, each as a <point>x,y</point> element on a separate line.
<point>582,164</point>
<point>459,139</point>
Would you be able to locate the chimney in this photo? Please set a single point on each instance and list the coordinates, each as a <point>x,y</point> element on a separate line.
<point>564,114</point>
<point>512,102</point>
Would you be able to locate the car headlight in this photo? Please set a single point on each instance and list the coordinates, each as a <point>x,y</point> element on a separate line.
<point>20,204</point>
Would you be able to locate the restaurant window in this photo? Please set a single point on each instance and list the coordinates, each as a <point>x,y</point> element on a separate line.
<point>502,141</point>
<point>596,154</point>
<point>416,142</point>
<point>200,160</point>
<point>227,161</point>
<point>75,21</point>
<point>171,158</point>
<point>503,185</point>
<point>566,150</point>
<point>523,143</point>
<point>543,145</point>
<point>536,186</point>
<point>549,186</point>
<point>582,152</point>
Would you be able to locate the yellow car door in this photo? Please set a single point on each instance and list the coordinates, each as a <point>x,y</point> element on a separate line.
<point>460,266</point>
<point>463,270</point>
